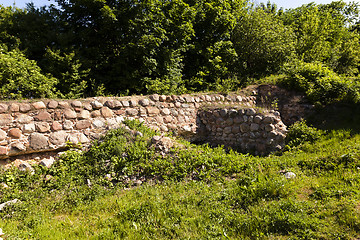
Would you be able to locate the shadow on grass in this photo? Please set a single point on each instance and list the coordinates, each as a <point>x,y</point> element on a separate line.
<point>337,116</point>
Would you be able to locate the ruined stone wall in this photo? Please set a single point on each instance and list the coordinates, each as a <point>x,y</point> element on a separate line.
<point>46,125</point>
<point>255,130</point>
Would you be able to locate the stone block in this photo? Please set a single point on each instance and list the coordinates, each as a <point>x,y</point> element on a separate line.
<point>52,104</point>
<point>43,116</point>
<point>5,119</point>
<point>23,118</point>
<point>152,111</point>
<point>38,141</point>
<point>42,127</point>
<point>76,104</point>
<point>56,126</point>
<point>39,105</point>
<point>70,114</point>
<point>106,112</point>
<point>15,133</point>
<point>3,108</point>
<point>58,138</point>
<point>83,124</point>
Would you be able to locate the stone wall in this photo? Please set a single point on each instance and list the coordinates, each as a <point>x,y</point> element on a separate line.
<point>47,125</point>
<point>255,130</point>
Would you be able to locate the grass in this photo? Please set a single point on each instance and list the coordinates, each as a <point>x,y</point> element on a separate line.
<point>195,192</point>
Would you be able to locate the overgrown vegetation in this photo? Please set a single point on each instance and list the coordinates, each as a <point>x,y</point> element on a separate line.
<point>87,48</point>
<point>192,192</point>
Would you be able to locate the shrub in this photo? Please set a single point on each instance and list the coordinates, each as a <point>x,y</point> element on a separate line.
<point>300,132</point>
<point>319,83</point>
<point>22,78</point>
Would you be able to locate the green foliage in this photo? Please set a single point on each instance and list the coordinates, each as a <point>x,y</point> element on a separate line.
<point>22,78</point>
<point>67,69</point>
<point>319,83</point>
<point>300,132</point>
<point>262,42</point>
<point>322,34</point>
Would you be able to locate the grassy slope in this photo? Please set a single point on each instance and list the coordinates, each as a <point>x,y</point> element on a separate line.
<point>233,197</point>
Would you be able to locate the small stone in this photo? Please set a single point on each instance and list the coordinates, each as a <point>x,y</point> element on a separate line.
<point>3,108</point>
<point>83,124</point>
<point>8,203</point>
<point>96,105</point>
<point>165,111</point>
<point>63,105</point>
<point>244,127</point>
<point>25,166</point>
<point>25,107</point>
<point>125,103</point>
<point>70,114</point>
<point>152,111</point>
<point>68,125</point>
<point>269,127</point>
<point>154,97</point>
<point>268,119</point>
<point>52,104</point>
<point>83,138</point>
<point>87,106</point>
<point>15,148</point>
<point>29,128</point>
<point>117,104</point>
<point>227,130</point>
<point>144,102</point>
<point>76,104</point>
<point>83,114</point>
<point>250,111</point>
<point>47,162</point>
<point>5,119</point>
<point>168,119</point>
<point>42,127</point>
<point>14,107</point>
<point>132,112</point>
<point>106,112</point>
<point>15,133</point>
<point>133,103</point>
<point>3,135</point>
<point>139,134</point>
<point>72,138</point>
<point>257,119</point>
<point>23,118</point>
<point>254,127</point>
<point>56,126</point>
<point>95,114</point>
<point>164,128</point>
<point>43,116</point>
<point>3,151</point>
<point>162,98</point>
<point>109,104</point>
<point>289,175</point>
<point>58,138</point>
<point>98,124</point>
<point>39,105</point>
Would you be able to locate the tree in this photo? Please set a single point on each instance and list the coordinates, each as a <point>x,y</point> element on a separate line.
<point>22,78</point>
<point>323,34</point>
<point>262,42</point>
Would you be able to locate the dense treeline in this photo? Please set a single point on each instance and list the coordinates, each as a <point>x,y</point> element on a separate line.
<point>92,47</point>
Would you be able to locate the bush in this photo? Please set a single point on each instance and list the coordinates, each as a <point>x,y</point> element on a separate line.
<point>21,77</point>
<point>319,83</point>
<point>300,133</point>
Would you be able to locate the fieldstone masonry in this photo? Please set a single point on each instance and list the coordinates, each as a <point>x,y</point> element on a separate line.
<point>47,125</point>
<point>252,130</point>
